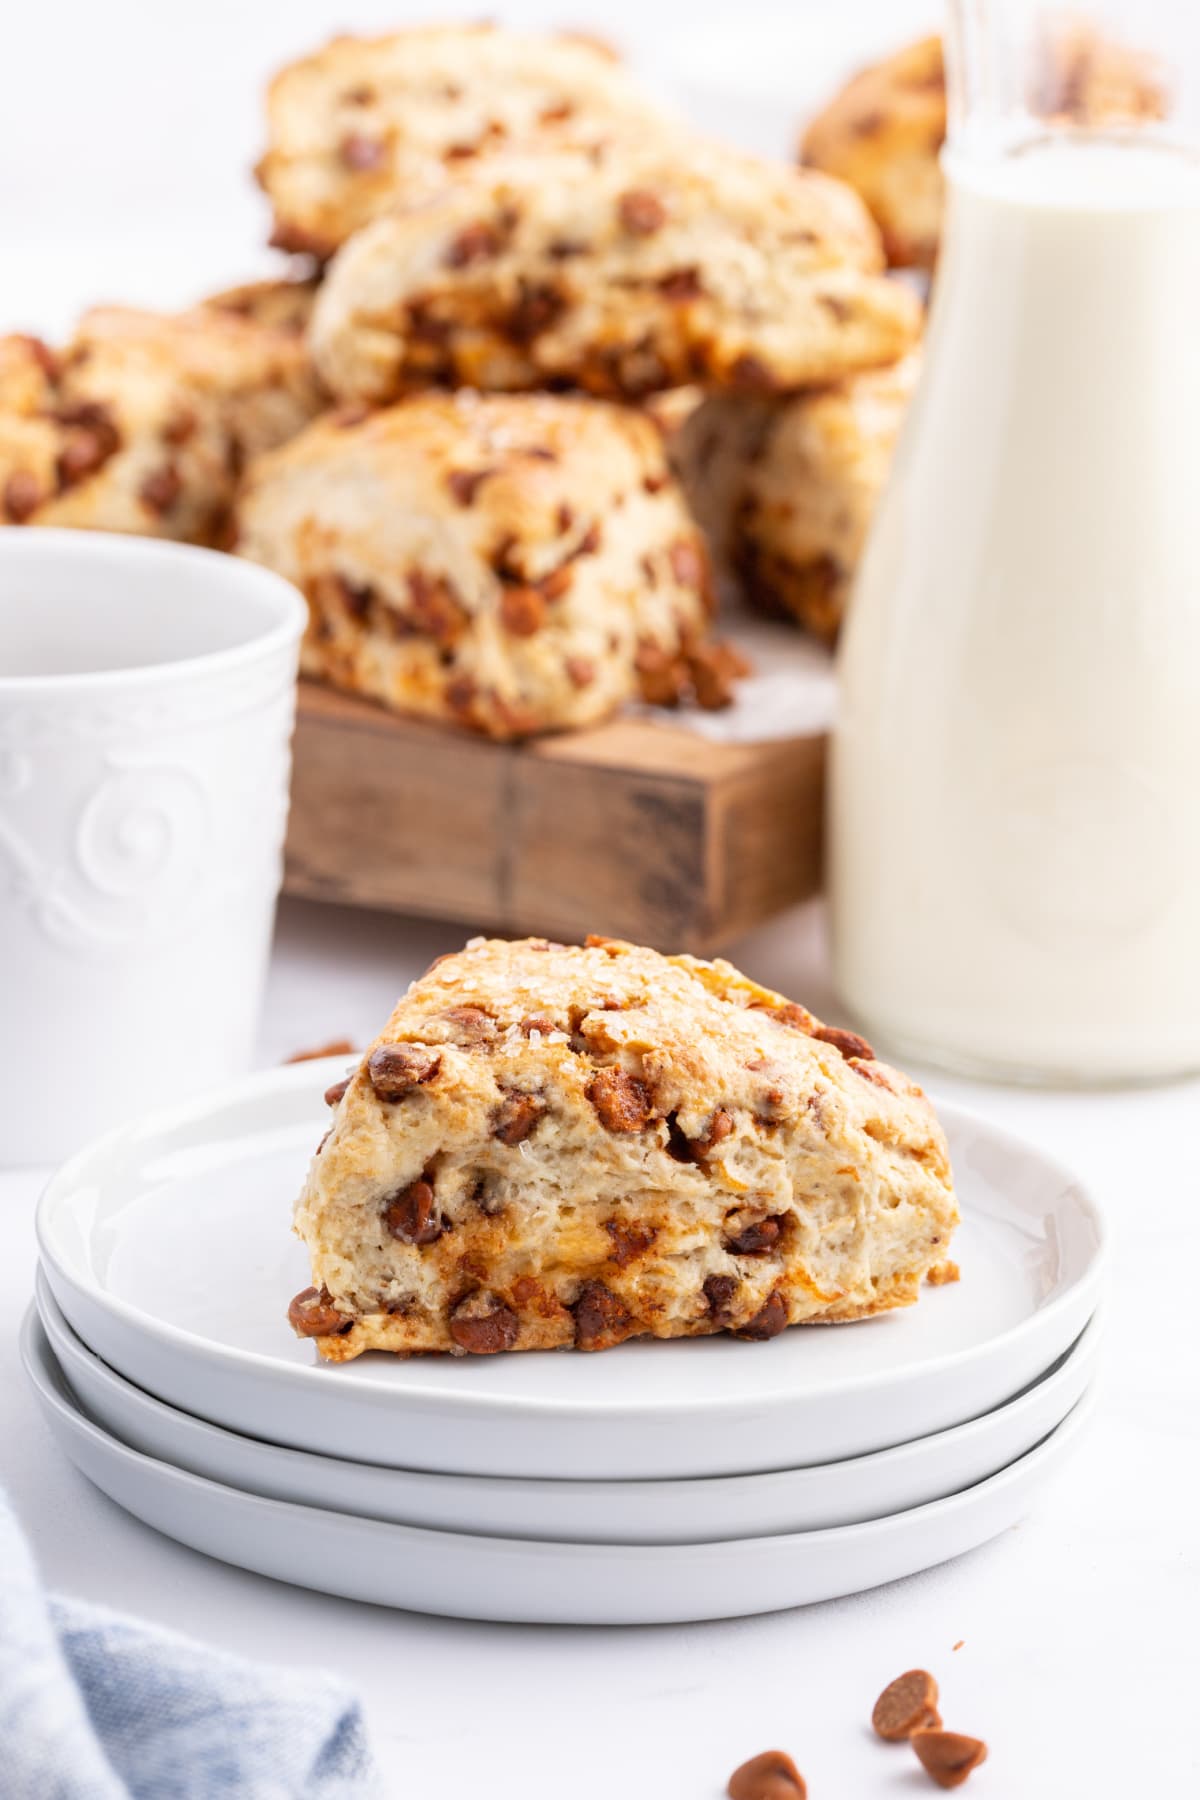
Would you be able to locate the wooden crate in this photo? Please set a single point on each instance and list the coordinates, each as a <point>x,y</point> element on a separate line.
<point>634,829</point>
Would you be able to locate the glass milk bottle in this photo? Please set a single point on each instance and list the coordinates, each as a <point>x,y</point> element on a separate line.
<point>1015,782</point>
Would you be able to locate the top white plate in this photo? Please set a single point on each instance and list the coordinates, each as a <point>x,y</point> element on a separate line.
<point>168,1247</point>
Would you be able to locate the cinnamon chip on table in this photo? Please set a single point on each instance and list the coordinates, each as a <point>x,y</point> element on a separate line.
<point>906,1705</point>
<point>337,1047</point>
<point>948,1756</point>
<point>772,1775</point>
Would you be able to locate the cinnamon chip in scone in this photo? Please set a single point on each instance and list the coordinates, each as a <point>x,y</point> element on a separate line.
<point>142,420</point>
<point>569,1180</point>
<point>519,603</point>
<point>362,124</point>
<point>772,1775</point>
<point>624,273</point>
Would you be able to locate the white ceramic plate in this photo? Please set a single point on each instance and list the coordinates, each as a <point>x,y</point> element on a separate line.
<point>526,1581</point>
<point>168,1246</point>
<point>597,1512</point>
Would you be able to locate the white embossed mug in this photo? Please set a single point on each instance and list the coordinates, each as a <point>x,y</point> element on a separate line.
<point>147,692</point>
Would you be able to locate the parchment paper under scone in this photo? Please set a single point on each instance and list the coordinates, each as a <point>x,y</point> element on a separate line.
<point>364,123</point>
<point>622,274</point>
<point>553,1146</point>
<point>511,563</point>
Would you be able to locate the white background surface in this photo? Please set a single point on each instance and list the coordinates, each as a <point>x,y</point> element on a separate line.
<point>128,130</point>
<point>125,135</point>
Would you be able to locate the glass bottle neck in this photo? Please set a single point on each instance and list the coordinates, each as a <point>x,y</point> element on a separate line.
<point>1021,72</point>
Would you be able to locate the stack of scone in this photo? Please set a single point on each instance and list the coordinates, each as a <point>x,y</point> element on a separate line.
<point>572,361</point>
<point>515,256</point>
<point>512,220</point>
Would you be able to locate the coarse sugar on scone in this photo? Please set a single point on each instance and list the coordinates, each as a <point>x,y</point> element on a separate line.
<point>556,1146</point>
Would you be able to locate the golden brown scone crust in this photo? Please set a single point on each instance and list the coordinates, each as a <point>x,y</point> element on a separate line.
<point>882,134</point>
<point>884,131</point>
<point>284,302</point>
<point>364,123</point>
<point>259,376</point>
<point>554,1147</point>
<point>623,274</point>
<point>143,421</point>
<point>509,563</point>
<point>786,489</point>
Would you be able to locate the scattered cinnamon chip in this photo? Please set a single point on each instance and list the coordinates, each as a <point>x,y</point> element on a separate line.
<point>906,1705</point>
<point>772,1775</point>
<point>336,1047</point>
<point>948,1756</point>
<point>942,1273</point>
<point>715,668</point>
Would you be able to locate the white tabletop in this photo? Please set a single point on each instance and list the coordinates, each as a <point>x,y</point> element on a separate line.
<point>1079,1655</point>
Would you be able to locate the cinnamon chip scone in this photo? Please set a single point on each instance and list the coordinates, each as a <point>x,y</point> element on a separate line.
<point>625,273</point>
<point>786,489</point>
<point>553,1147</point>
<point>285,303</point>
<point>884,131</point>
<point>366,122</point>
<point>510,563</point>
<point>143,421</point>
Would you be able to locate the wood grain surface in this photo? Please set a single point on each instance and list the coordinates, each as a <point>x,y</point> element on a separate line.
<point>634,829</point>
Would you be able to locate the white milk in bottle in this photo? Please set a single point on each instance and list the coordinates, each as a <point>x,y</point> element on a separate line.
<point>1015,797</point>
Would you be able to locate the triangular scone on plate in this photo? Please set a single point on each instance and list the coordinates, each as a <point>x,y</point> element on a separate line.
<point>555,1146</point>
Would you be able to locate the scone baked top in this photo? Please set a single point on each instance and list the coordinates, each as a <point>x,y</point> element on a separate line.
<point>143,420</point>
<point>626,272</point>
<point>366,122</point>
<point>552,1146</point>
<point>284,302</point>
<point>109,437</point>
<point>513,563</point>
<point>882,133</point>
<point>257,373</point>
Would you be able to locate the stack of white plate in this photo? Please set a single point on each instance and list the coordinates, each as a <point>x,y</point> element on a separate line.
<point>655,1482</point>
